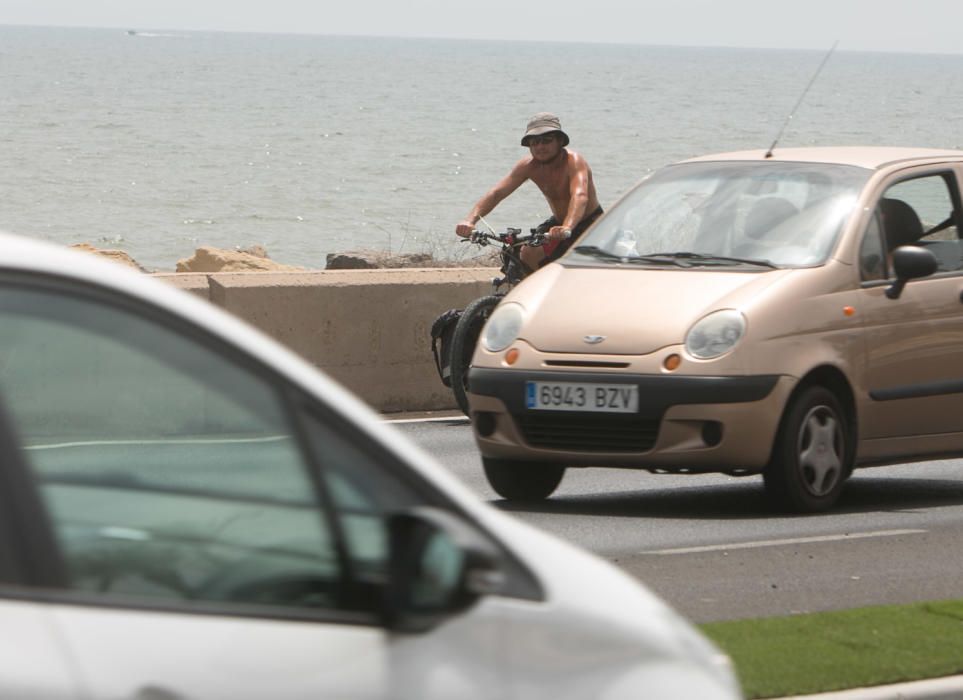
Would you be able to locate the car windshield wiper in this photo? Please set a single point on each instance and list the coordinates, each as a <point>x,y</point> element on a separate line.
<point>704,259</point>
<point>596,252</point>
<point>602,254</point>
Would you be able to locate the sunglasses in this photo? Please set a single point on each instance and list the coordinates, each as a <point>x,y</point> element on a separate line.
<point>538,140</point>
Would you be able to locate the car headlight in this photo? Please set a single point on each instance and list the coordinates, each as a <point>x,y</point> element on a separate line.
<point>716,334</point>
<point>502,327</point>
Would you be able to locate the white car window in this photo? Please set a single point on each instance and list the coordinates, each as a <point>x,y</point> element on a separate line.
<point>169,471</point>
<point>363,493</point>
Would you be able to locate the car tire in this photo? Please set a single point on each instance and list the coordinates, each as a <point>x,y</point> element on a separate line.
<point>522,481</point>
<point>463,343</point>
<point>813,453</point>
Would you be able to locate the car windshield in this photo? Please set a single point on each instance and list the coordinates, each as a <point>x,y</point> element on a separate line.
<point>752,215</point>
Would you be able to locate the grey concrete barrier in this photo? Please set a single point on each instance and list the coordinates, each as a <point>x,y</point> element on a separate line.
<point>368,329</point>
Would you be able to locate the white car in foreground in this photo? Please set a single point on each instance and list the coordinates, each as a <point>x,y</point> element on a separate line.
<point>188,510</point>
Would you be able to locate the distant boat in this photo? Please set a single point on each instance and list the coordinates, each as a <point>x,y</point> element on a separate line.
<point>131,32</point>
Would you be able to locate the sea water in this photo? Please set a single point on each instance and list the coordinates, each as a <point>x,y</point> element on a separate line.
<point>160,142</point>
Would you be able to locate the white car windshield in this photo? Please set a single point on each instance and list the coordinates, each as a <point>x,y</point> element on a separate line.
<point>755,214</point>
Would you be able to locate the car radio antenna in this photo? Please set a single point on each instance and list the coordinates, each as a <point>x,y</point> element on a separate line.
<point>801,98</point>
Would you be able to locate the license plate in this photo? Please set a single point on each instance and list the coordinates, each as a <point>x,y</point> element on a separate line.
<point>582,396</point>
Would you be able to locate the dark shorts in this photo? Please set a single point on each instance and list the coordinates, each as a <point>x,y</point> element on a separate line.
<point>555,249</point>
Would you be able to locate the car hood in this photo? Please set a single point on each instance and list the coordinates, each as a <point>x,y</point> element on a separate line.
<point>627,626</point>
<point>637,310</point>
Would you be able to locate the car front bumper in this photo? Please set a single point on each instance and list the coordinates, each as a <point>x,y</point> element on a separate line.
<point>683,423</point>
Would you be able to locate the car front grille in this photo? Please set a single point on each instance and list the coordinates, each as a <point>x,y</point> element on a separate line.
<point>580,432</point>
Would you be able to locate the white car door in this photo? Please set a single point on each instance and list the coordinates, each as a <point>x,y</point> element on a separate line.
<point>33,661</point>
<point>220,534</point>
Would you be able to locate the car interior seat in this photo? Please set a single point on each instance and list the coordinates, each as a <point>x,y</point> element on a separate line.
<point>766,214</point>
<point>819,188</point>
<point>901,223</point>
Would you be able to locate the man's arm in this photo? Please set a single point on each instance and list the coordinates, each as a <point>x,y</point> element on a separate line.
<point>578,199</point>
<point>496,194</point>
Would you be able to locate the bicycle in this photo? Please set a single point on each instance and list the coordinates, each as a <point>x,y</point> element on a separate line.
<point>459,330</point>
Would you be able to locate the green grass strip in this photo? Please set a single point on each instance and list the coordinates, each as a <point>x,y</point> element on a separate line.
<point>820,652</point>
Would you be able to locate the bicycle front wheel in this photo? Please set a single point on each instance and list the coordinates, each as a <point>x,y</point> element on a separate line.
<point>463,343</point>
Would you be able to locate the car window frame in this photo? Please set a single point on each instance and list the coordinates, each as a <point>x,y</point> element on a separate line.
<point>44,576</point>
<point>949,173</point>
<point>36,568</point>
<point>874,217</point>
<point>520,581</point>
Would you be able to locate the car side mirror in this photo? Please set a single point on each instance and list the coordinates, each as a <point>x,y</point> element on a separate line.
<point>910,262</point>
<point>438,567</point>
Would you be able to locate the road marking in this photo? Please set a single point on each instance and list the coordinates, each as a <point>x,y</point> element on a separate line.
<point>172,441</point>
<point>779,543</point>
<point>438,419</point>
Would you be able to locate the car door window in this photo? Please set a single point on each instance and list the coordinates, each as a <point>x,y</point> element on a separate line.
<point>872,259</point>
<point>169,470</point>
<point>364,490</point>
<point>922,212</point>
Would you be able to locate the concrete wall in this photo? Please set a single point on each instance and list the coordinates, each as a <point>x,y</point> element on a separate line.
<point>368,329</point>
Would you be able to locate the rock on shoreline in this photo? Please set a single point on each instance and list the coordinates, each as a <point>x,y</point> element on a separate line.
<point>208,259</point>
<point>118,256</point>
<point>373,259</point>
<point>255,259</point>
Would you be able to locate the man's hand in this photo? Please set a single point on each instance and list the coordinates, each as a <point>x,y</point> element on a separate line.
<point>464,228</point>
<point>559,233</point>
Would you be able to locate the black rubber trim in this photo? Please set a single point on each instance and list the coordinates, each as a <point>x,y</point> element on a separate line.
<point>918,391</point>
<point>581,363</point>
<point>29,552</point>
<point>656,393</point>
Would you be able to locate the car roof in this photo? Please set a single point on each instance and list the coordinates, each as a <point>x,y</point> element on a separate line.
<point>872,157</point>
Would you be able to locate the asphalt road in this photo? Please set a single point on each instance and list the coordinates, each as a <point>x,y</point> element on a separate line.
<point>714,548</point>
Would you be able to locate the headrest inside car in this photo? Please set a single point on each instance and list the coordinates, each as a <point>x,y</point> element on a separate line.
<point>900,222</point>
<point>767,214</point>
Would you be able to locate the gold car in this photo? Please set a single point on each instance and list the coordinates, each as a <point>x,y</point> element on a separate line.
<point>796,315</point>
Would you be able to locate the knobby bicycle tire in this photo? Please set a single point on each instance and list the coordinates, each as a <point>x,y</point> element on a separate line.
<point>463,343</point>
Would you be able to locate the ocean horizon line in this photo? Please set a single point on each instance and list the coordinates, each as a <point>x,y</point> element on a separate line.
<point>174,32</point>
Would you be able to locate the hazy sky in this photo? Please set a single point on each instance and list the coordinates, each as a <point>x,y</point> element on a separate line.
<point>859,25</point>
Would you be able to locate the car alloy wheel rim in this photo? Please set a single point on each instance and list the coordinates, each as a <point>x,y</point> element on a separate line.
<point>820,450</point>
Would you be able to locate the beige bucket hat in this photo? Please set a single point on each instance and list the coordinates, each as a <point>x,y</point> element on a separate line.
<point>544,123</point>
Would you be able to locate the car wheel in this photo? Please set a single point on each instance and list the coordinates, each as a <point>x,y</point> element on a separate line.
<point>522,481</point>
<point>813,453</point>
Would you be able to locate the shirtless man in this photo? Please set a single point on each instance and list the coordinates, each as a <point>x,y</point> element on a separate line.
<point>563,176</point>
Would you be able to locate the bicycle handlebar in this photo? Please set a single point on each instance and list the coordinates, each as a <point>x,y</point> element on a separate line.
<point>510,237</point>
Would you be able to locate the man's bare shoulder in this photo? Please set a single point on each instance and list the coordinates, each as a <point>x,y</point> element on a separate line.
<point>576,159</point>
<point>525,165</point>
